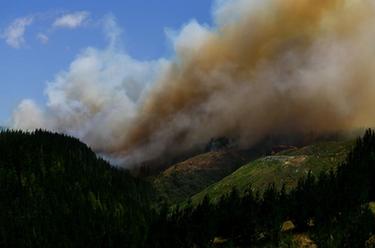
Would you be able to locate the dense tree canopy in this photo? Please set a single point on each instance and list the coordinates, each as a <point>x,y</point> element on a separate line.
<point>54,191</point>
<point>333,208</point>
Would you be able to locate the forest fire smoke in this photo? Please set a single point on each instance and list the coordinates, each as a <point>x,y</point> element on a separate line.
<point>267,67</point>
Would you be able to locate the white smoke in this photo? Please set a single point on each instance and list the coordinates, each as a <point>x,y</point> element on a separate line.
<point>267,66</point>
<point>96,98</point>
<point>28,116</point>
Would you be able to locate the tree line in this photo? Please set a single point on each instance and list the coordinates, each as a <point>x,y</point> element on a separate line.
<point>333,208</point>
<point>54,191</point>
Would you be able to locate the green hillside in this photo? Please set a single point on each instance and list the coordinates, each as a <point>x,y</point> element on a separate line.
<point>55,192</point>
<point>285,167</point>
<point>329,210</point>
<point>191,176</point>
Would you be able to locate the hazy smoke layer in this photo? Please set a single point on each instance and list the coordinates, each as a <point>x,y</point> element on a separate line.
<point>267,67</point>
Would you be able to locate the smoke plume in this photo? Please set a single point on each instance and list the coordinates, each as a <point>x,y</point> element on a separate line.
<point>265,67</point>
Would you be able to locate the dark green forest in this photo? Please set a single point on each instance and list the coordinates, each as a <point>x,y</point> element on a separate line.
<point>56,192</point>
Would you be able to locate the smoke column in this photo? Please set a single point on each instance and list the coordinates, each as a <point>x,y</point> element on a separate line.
<point>266,67</point>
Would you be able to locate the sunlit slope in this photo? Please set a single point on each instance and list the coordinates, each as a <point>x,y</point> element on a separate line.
<point>283,168</point>
<point>193,175</point>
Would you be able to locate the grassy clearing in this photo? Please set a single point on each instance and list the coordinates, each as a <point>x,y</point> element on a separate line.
<point>283,168</point>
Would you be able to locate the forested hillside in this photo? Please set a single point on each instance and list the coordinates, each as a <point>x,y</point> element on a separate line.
<point>55,192</point>
<point>332,209</point>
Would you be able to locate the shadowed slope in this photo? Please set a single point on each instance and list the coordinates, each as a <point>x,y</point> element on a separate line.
<point>190,176</point>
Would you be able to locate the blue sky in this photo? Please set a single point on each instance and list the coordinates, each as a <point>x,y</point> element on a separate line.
<point>40,38</point>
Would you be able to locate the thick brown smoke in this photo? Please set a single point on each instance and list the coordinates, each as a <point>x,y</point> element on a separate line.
<point>284,66</point>
<point>267,67</point>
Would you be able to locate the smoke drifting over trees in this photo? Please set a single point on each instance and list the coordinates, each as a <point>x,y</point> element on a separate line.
<point>265,67</point>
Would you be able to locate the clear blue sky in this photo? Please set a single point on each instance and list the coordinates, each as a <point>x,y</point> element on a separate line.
<point>32,56</point>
